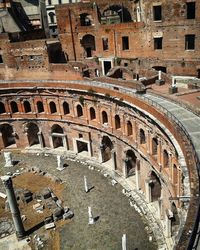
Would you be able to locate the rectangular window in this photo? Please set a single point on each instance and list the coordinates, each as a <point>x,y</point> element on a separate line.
<point>158,43</point>
<point>105,43</point>
<point>190,42</point>
<point>157,13</point>
<point>125,43</point>
<point>190,10</point>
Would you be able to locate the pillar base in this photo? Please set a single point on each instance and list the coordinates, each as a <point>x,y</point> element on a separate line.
<point>160,82</point>
<point>173,90</point>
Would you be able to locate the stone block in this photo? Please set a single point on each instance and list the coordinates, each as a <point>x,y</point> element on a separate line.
<point>48,220</point>
<point>46,193</point>
<point>173,90</point>
<point>57,212</point>
<point>49,225</point>
<point>160,82</point>
<point>68,215</point>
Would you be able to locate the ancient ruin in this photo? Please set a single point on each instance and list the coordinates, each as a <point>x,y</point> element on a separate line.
<point>112,86</point>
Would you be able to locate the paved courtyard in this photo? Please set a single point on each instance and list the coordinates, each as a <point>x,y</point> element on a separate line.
<point>112,209</point>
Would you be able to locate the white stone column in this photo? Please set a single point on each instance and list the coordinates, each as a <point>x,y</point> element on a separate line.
<point>91,219</point>
<point>124,242</point>
<point>60,163</point>
<point>8,159</point>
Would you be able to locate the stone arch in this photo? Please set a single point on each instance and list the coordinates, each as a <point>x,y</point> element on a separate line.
<point>27,107</point>
<point>92,114</point>
<point>52,107</point>
<point>7,133</point>
<point>40,107</point>
<point>117,122</point>
<point>129,128</point>
<point>32,133</point>
<point>155,187</point>
<point>130,162</point>
<point>85,19</point>
<point>154,146</point>
<point>14,107</point>
<point>89,45</point>
<point>79,110</point>
<point>2,108</point>
<point>106,148</point>
<point>66,108</point>
<point>117,12</point>
<point>104,117</point>
<point>57,134</point>
<point>165,159</point>
<point>142,136</point>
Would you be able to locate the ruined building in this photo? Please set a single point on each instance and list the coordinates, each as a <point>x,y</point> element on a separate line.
<point>84,91</point>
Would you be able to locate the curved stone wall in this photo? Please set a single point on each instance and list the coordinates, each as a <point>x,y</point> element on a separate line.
<point>134,139</point>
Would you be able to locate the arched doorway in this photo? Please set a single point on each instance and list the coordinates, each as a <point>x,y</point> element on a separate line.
<point>58,137</point>
<point>88,43</point>
<point>106,148</point>
<point>92,114</point>
<point>32,133</point>
<point>130,163</point>
<point>117,122</point>
<point>8,137</point>
<point>155,187</point>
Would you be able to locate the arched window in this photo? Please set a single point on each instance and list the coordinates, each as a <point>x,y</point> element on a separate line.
<point>52,17</point>
<point>14,107</point>
<point>32,133</point>
<point>79,110</point>
<point>117,122</point>
<point>52,106</point>
<point>88,43</point>
<point>154,146</point>
<point>2,108</point>
<point>92,113</point>
<point>142,137</point>
<point>27,107</point>
<point>129,128</point>
<point>155,186</point>
<point>130,162</point>
<point>66,108</point>
<point>165,159</point>
<point>40,107</point>
<point>104,117</point>
<point>106,148</point>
